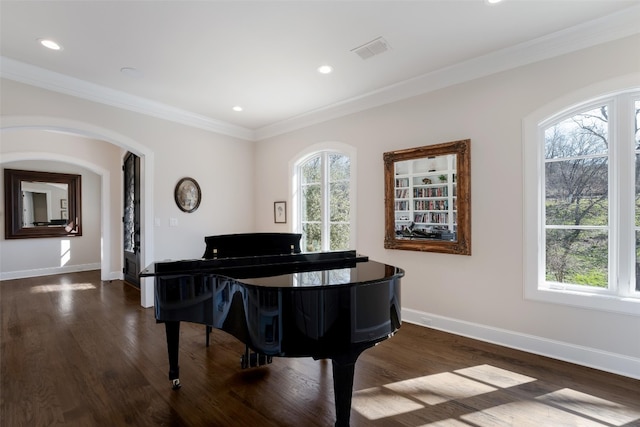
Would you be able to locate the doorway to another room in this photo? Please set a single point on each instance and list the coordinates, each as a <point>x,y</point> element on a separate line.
<point>131,219</point>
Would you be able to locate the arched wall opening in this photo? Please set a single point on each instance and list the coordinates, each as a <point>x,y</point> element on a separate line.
<point>18,123</point>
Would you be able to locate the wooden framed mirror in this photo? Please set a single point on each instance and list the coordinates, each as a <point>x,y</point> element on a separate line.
<point>428,198</point>
<point>42,204</point>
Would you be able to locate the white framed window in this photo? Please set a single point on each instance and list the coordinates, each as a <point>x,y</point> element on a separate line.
<point>323,195</point>
<point>582,204</point>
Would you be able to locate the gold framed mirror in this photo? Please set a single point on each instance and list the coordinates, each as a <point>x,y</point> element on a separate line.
<point>428,198</point>
<point>42,204</point>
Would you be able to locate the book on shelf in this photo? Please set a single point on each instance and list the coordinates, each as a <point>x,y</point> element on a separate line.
<point>441,191</point>
<point>402,182</point>
<point>402,193</point>
<point>431,205</point>
<point>402,205</point>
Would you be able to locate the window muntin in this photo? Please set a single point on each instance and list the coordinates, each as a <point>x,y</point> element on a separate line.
<point>325,201</point>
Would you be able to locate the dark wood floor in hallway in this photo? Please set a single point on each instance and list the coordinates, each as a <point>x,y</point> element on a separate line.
<point>76,351</point>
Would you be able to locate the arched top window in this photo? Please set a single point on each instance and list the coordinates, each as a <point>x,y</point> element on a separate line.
<point>582,205</point>
<point>323,195</point>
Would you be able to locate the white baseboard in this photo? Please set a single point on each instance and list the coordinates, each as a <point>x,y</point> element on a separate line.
<point>585,356</point>
<point>10,275</point>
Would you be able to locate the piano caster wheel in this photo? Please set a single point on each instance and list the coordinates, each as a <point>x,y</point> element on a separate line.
<point>175,384</point>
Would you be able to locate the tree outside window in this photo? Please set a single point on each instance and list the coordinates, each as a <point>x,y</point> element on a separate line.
<point>585,198</point>
<point>577,199</point>
<point>325,201</point>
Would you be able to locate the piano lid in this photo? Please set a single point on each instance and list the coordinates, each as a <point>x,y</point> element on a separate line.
<point>256,266</point>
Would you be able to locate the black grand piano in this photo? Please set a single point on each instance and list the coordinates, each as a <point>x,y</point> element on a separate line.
<point>280,302</point>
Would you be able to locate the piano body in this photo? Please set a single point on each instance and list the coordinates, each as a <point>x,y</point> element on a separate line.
<point>282,303</point>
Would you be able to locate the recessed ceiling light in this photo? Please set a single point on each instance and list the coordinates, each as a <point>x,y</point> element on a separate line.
<point>50,44</point>
<point>325,69</point>
<point>492,1</point>
<point>237,108</point>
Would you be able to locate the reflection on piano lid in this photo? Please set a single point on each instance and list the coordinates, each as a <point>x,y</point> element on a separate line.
<point>360,272</point>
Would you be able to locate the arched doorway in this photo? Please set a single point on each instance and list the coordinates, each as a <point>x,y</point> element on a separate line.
<point>18,123</point>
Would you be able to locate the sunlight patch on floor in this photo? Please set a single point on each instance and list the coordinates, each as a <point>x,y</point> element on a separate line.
<point>527,413</point>
<point>449,422</point>
<point>413,394</point>
<point>610,412</point>
<point>41,289</point>
<point>440,388</point>
<point>565,407</point>
<point>495,376</point>
<point>379,402</point>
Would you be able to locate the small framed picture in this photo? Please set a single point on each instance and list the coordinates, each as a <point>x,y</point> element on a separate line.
<point>63,214</point>
<point>280,212</point>
<point>63,203</point>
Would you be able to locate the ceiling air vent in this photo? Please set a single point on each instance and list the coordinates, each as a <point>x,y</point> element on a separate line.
<point>372,48</point>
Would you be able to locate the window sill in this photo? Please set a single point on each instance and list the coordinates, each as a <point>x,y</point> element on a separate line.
<point>608,303</point>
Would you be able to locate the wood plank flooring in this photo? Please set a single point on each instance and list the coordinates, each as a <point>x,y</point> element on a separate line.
<point>76,351</point>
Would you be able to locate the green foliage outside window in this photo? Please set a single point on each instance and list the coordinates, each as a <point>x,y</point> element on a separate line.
<point>330,173</point>
<point>576,196</point>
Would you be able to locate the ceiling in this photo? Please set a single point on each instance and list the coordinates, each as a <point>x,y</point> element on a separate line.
<point>195,60</point>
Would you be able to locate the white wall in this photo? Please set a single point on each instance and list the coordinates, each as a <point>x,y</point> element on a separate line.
<point>480,295</point>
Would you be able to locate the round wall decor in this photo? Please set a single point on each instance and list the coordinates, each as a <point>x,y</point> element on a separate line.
<point>187,195</point>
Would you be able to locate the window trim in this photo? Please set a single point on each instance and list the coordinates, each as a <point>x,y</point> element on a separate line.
<point>616,300</point>
<point>306,154</point>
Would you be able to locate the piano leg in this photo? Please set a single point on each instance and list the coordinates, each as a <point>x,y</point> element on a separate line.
<point>343,371</point>
<point>173,343</point>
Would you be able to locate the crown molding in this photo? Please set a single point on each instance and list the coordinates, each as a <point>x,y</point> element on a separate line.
<point>602,30</point>
<point>50,80</point>
<point>598,31</point>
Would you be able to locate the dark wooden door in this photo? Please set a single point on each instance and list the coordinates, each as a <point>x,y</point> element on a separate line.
<point>131,219</point>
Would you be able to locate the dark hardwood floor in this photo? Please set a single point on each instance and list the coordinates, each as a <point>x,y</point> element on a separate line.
<point>80,352</point>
